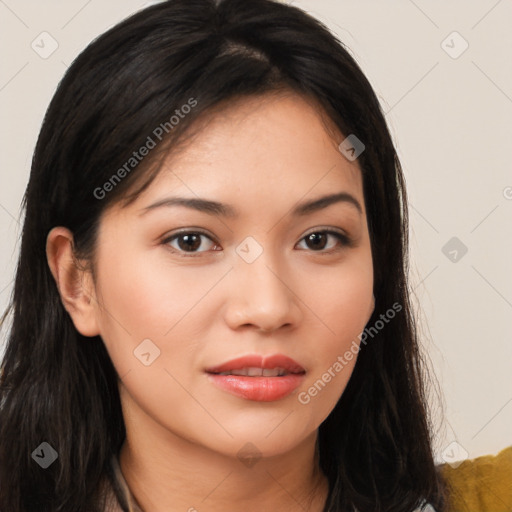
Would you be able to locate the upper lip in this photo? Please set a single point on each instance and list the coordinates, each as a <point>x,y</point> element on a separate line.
<point>259,361</point>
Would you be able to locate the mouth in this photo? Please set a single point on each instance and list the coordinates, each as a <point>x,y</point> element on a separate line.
<point>258,378</point>
<point>256,372</point>
<point>256,365</point>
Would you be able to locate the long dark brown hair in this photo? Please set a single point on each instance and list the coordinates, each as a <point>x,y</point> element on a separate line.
<point>61,388</point>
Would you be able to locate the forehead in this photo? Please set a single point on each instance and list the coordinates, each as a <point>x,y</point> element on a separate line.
<point>263,150</point>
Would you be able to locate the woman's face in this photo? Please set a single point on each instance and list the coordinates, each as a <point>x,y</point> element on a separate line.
<point>244,279</point>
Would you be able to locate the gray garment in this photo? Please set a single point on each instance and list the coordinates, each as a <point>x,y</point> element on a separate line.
<point>112,502</point>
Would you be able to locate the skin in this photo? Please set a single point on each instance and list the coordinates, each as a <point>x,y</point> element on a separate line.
<point>309,303</point>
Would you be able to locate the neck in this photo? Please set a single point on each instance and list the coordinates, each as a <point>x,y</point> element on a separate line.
<point>166,472</point>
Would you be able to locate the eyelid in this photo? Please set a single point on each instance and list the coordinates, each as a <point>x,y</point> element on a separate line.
<point>327,229</point>
<point>186,231</point>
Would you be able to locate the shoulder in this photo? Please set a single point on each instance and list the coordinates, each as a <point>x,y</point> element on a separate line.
<point>481,483</point>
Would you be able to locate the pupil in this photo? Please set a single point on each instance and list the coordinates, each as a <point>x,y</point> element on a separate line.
<point>191,242</point>
<point>317,239</point>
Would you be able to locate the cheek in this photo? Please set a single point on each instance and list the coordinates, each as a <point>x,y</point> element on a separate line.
<point>150,326</point>
<point>148,295</point>
<point>145,297</point>
<point>342,302</point>
<point>341,299</point>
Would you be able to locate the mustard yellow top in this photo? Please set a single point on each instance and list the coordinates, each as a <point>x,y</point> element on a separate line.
<point>483,484</point>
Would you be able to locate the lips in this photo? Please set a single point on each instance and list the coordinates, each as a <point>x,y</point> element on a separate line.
<point>258,378</point>
<point>257,365</point>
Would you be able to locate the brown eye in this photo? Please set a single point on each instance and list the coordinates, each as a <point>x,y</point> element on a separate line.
<point>189,242</point>
<point>318,240</point>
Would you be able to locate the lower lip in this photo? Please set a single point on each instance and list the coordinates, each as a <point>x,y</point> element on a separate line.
<point>259,389</point>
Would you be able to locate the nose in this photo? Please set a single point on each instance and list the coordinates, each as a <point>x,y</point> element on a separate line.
<point>262,296</point>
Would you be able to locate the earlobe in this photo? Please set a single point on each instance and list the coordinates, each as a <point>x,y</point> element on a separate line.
<point>74,283</point>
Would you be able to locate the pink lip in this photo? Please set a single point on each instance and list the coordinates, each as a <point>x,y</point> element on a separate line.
<point>259,361</point>
<point>261,389</point>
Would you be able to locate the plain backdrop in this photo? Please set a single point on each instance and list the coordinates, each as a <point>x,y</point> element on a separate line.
<point>443,73</point>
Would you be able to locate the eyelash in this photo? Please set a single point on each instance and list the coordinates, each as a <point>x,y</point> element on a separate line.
<point>344,240</point>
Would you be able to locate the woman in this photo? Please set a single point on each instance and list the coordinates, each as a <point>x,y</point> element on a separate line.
<point>211,308</point>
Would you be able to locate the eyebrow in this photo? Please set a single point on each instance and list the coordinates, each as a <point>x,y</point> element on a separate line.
<point>225,210</point>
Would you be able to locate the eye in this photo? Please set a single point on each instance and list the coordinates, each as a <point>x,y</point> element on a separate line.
<point>317,240</point>
<point>189,242</point>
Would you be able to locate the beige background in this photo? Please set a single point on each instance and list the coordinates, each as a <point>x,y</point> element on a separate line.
<point>450,114</point>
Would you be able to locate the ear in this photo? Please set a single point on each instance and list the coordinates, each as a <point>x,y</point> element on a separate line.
<point>75,285</point>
